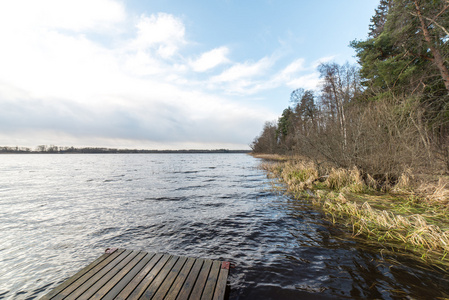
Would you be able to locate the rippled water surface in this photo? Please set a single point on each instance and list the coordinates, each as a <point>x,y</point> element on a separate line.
<point>59,212</point>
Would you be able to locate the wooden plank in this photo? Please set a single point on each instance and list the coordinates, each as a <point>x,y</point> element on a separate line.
<point>140,289</point>
<point>148,266</point>
<point>114,257</point>
<point>201,280</point>
<point>220,289</point>
<point>154,286</point>
<point>190,280</point>
<point>79,274</point>
<point>127,274</point>
<point>180,279</point>
<point>168,281</point>
<point>105,289</point>
<point>130,277</point>
<point>98,281</point>
<point>209,288</point>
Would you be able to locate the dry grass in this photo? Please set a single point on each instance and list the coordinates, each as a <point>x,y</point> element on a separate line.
<point>273,157</point>
<point>405,183</point>
<point>385,226</point>
<point>435,192</point>
<point>346,180</point>
<point>298,175</point>
<point>402,221</point>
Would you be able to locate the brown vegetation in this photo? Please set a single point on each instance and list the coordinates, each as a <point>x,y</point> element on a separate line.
<point>410,217</point>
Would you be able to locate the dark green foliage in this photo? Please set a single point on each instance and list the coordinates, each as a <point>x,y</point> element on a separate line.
<point>379,18</point>
<point>396,58</point>
<point>285,123</point>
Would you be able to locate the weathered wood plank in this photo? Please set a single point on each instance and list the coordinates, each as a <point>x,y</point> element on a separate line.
<point>105,289</point>
<point>148,266</point>
<point>133,275</point>
<point>75,277</point>
<point>151,290</point>
<point>88,289</point>
<point>180,279</point>
<point>220,289</point>
<point>168,281</point>
<point>119,289</point>
<point>140,289</point>
<point>115,257</point>
<point>209,288</point>
<point>201,280</point>
<point>190,280</point>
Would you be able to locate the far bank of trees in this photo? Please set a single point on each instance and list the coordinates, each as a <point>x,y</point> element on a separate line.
<point>51,149</point>
<point>386,115</point>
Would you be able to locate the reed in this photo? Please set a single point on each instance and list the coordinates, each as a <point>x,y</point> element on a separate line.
<point>347,180</point>
<point>408,220</point>
<point>273,157</point>
<point>385,226</point>
<point>297,175</point>
<point>435,192</point>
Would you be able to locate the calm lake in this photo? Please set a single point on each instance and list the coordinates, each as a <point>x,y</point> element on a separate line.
<point>60,212</point>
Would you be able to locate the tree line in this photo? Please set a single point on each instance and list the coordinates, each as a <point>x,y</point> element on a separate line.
<point>387,114</point>
<point>68,150</point>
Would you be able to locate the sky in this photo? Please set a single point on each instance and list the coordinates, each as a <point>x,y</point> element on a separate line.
<point>165,74</point>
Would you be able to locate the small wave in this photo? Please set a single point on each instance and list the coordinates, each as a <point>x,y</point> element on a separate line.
<point>170,199</point>
<point>190,187</point>
<point>186,172</point>
<point>214,204</point>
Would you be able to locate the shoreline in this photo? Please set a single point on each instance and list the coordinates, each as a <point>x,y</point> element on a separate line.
<point>401,217</point>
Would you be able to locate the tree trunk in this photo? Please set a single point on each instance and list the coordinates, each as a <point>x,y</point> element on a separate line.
<point>438,59</point>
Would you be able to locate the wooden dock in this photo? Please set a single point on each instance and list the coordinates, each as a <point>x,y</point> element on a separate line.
<point>127,274</point>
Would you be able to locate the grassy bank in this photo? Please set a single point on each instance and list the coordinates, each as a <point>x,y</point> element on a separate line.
<point>411,214</point>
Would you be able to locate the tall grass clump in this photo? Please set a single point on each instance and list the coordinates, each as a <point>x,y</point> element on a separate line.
<point>435,192</point>
<point>384,226</point>
<point>298,175</point>
<point>346,180</point>
<point>405,183</point>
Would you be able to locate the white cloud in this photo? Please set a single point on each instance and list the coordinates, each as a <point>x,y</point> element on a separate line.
<point>289,72</point>
<point>210,59</point>
<point>164,32</point>
<point>298,75</point>
<point>252,78</point>
<point>58,85</point>
<point>79,15</point>
<point>294,67</point>
<point>244,70</point>
<point>309,81</point>
<point>322,60</point>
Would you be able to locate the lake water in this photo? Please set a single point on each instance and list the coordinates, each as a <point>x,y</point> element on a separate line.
<point>60,212</point>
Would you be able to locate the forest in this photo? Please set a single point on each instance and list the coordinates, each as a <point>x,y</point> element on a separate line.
<point>52,149</point>
<point>386,115</point>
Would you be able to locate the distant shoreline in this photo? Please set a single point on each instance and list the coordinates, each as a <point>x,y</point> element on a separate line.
<point>92,150</point>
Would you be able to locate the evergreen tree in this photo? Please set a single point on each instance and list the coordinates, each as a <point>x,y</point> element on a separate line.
<point>379,18</point>
<point>407,51</point>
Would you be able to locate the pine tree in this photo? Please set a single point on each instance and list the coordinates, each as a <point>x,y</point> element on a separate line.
<point>380,17</point>
<point>407,51</point>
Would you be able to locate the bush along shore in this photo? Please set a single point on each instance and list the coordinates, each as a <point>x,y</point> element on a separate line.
<point>409,214</point>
